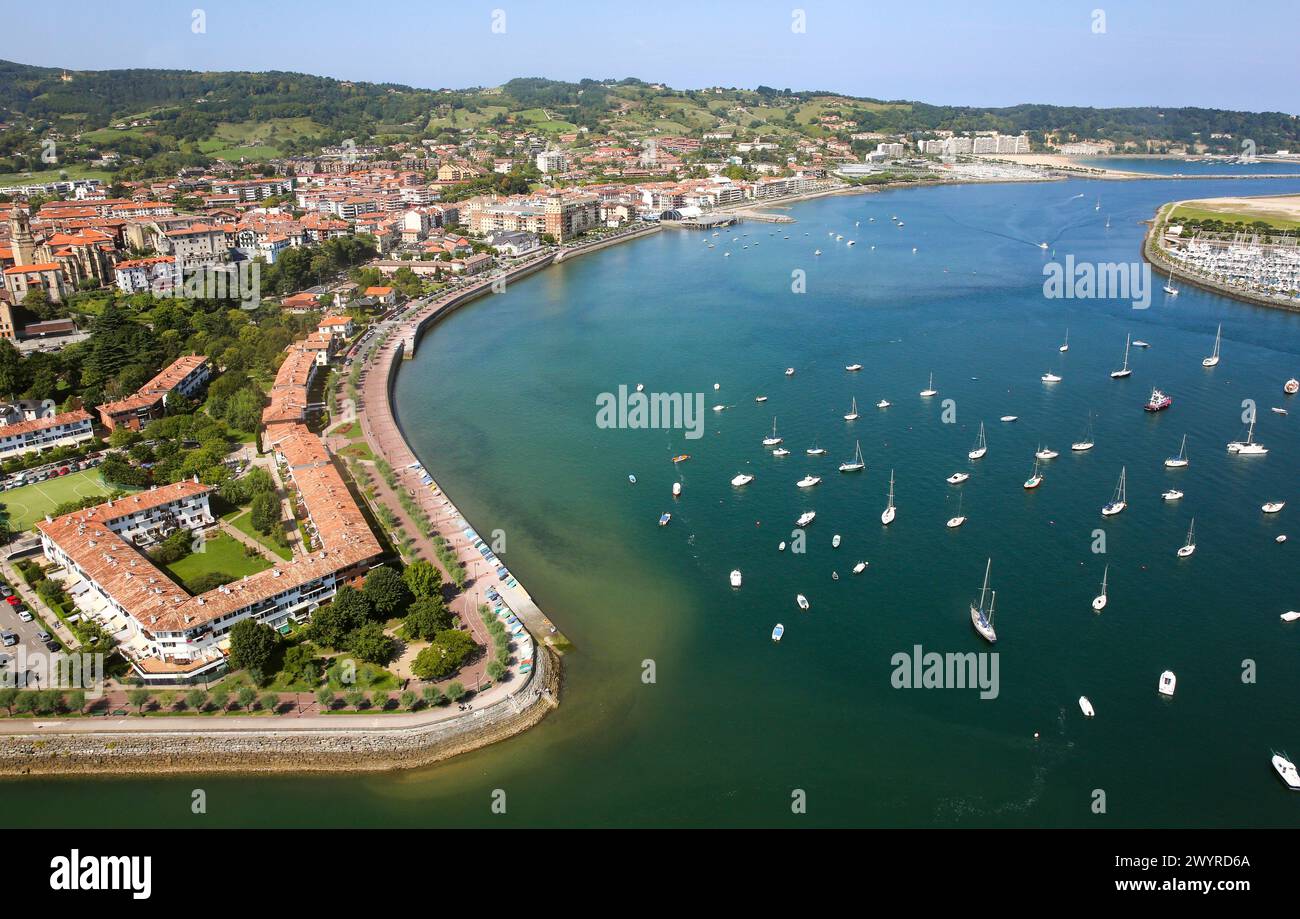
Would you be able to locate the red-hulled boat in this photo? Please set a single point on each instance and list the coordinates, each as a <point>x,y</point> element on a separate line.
<point>1158,402</point>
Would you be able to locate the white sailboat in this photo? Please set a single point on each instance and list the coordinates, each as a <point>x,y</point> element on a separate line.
<point>1046,453</point>
<point>856,464</point>
<point>1286,771</point>
<point>929,389</point>
<point>1099,601</point>
<point>1066,345</point>
<point>1190,546</point>
<point>1213,359</point>
<point>1120,499</point>
<point>853,411</point>
<point>1169,285</point>
<point>981,618</point>
<point>774,439</point>
<point>1272,507</point>
<point>887,516</point>
<point>815,450</point>
<point>1123,371</point>
<point>981,445</point>
<point>1248,447</point>
<point>959,518</point>
<point>1087,443</point>
<point>1179,461</point>
<point>1035,478</point>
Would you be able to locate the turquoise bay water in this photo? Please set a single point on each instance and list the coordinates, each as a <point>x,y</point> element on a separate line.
<point>1167,166</point>
<point>501,402</point>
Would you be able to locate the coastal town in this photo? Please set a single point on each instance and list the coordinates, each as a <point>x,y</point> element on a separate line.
<point>242,512</point>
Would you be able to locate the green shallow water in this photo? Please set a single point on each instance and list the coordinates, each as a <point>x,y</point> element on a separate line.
<point>500,403</point>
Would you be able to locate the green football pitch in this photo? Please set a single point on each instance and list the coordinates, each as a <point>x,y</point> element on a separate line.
<point>31,503</point>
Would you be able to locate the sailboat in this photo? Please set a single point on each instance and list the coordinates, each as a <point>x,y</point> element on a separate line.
<point>1179,461</point>
<point>1248,447</point>
<point>981,445</point>
<point>853,411</point>
<point>1066,346</point>
<point>981,619</point>
<point>1108,221</point>
<point>1120,499</point>
<point>929,389</point>
<point>1099,601</point>
<point>1213,359</point>
<point>1035,478</point>
<point>1169,286</point>
<point>774,439</point>
<point>1190,546</point>
<point>815,450</point>
<point>1123,371</point>
<point>856,464</point>
<point>887,516</point>
<point>1046,453</point>
<point>959,519</point>
<point>1087,443</point>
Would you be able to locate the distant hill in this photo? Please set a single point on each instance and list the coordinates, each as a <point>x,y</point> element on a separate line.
<point>194,116</point>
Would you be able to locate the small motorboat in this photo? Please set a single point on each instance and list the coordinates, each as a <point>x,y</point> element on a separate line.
<point>789,371</point>
<point>809,481</point>
<point>862,566</point>
<point>640,387</point>
<point>742,478</point>
<point>853,368</point>
<point>632,479</point>
<point>777,632</point>
<point>1085,706</point>
<point>1009,418</point>
<point>780,451</point>
<point>883,403</point>
<point>760,398</point>
<point>1046,453</point>
<point>735,578</point>
<point>1272,507</point>
<point>958,477</point>
<point>781,546</point>
<point>681,459</point>
<point>954,522</point>
<point>805,518</point>
<point>1291,386</point>
<point>835,541</point>
<point>817,252</point>
<point>1280,538</point>
<point>719,408</point>
<point>1042,245</point>
<point>802,601</point>
<point>1291,615</point>
<point>664,518</point>
<point>1050,377</point>
<point>1279,411</point>
<point>1286,771</point>
<point>1172,494</point>
<point>1141,344</point>
<point>1168,683</point>
<point>677,489</point>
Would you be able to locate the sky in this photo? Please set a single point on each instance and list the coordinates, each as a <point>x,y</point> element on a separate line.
<point>1235,54</point>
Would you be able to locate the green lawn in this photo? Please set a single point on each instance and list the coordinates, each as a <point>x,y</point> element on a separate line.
<point>31,503</point>
<point>242,520</point>
<point>73,170</point>
<point>1227,214</point>
<point>256,140</point>
<point>220,553</point>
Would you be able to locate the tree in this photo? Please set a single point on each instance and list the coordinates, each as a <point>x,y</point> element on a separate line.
<point>221,698</point>
<point>445,655</point>
<point>432,695</point>
<point>423,578</point>
<point>247,695</point>
<point>270,701</point>
<point>196,699</point>
<point>331,625</point>
<point>426,618</point>
<point>252,645</point>
<point>77,700</point>
<point>302,665</point>
<point>139,697</point>
<point>325,697</point>
<point>379,700</point>
<point>408,699</point>
<point>355,698</point>
<point>455,691</point>
<point>387,592</point>
<point>265,513</point>
<point>369,643</point>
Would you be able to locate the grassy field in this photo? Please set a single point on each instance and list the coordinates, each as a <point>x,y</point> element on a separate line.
<point>1232,210</point>
<point>242,520</point>
<point>256,140</point>
<point>31,503</point>
<point>220,553</point>
<point>73,170</point>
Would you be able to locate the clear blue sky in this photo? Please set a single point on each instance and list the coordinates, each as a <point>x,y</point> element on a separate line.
<point>1239,54</point>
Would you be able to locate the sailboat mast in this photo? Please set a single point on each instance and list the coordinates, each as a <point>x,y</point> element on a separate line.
<point>985,589</point>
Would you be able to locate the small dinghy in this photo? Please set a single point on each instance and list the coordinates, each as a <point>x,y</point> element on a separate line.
<point>781,547</point>
<point>777,632</point>
<point>632,479</point>
<point>1085,706</point>
<point>742,479</point>
<point>1168,683</point>
<point>802,601</point>
<point>835,541</point>
<point>1272,507</point>
<point>862,566</point>
<point>735,578</point>
<point>1291,615</point>
<point>958,477</point>
<point>664,518</point>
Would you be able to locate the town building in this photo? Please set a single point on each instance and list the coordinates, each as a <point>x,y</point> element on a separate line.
<point>183,376</point>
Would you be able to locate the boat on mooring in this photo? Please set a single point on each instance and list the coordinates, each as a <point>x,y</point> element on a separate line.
<point>1168,683</point>
<point>1119,500</point>
<point>1213,359</point>
<point>929,389</point>
<point>1123,371</point>
<point>805,518</point>
<point>982,617</point>
<point>1085,706</point>
<point>1190,546</point>
<point>1099,601</point>
<point>1179,461</point>
<point>981,445</point>
<point>1159,401</point>
<point>887,516</point>
<point>856,464</point>
<point>1286,771</point>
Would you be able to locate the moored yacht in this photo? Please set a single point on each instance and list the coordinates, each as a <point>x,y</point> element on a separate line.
<point>805,518</point>
<point>1050,377</point>
<point>852,414</point>
<point>853,368</point>
<point>856,464</point>
<point>1247,447</point>
<point>1099,601</point>
<point>1158,402</point>
<point>981,617</point>
<point>742,478</point>
<point>1046,453</point>
<point>1286,771</point>
<point>958,477</point>
<point>1272,507</point>
<point>1085,706</point>
<point>1190,546</point>
<point>1213,359</point>
<point>1172,494</point>
<point>735,578</point>
<point>1119,500</point>
<point>802,601</point>
<point>1179,461</point>
<point>809,481</point>
<point>981,445</point>
<point>1168,683</point>
<point>887,516</point>
<point>774,439</point>
<point>1123,371</point>
<point>929,389</point>
<point>883,403</point>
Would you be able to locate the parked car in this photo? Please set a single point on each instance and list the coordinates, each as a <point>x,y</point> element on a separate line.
<point>9,639</point>
<point>24,615</point>
<point>11,599</point>
<point>53,645</point>
<point>44,635</point>
<point>6,590</point>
